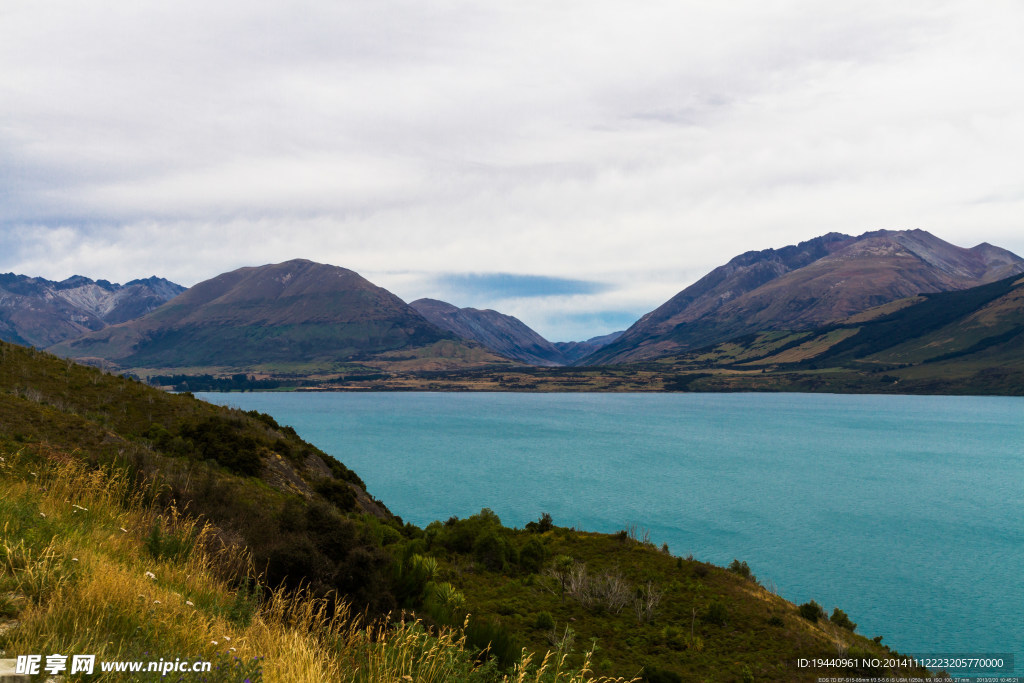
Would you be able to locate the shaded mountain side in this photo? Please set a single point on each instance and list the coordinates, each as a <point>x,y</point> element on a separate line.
<point>41,312</point>
<point>806,286</point>
<point>293,312</point>
<point>503,334</point>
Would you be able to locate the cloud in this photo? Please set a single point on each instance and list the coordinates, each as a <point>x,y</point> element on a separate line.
<point>491,286</point>
<point>637,146</point>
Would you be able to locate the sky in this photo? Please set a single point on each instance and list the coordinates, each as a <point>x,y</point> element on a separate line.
<point>574,164</point>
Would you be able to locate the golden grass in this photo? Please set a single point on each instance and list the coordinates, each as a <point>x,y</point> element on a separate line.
<point>75,543</point>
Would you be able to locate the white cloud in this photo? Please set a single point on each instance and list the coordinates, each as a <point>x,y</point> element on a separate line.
<point>638,145</point>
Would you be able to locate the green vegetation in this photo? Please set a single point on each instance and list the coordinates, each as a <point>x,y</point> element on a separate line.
<point>79,574</point>
<point>278,545</point>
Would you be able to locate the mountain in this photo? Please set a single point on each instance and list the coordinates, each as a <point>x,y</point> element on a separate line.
<point>574,350</point>
<point>967,341</point>
<point>297,314</point>
<point>41,312</point>
<point>805,286</point>
<point>501,333</point>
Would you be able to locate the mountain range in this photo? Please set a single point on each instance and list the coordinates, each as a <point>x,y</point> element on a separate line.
<point>506,335</point>
<point>308,319</point>
<point>805,286</point>
<point>38,312</point>
<point>296,315</point>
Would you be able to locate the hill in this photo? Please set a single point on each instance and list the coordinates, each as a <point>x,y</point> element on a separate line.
<point>41,312</point>
<point>806,286</point>
<point>105,479</point>
<point>292,316</point>
<point>503,334</point>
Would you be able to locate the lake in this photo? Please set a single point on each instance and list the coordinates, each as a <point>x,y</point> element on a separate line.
<point>906,512</point>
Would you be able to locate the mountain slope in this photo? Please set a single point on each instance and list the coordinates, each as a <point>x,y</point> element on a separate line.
<point>501,333</point>
<point>297,312</point>
<point>805,286</point>
<point>42,312</point>
<point>961,342</point>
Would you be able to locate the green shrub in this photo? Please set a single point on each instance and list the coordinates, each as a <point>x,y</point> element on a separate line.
<point>743,569</point>
<point>544,622</point>
<point>337,492</point>
<point>715,613</point>
<point>655,675</point>
<point>811,611</point>
<point>224,441</point>
<point>840,619</point>
<point>491,551</point>
<point>531,556</point>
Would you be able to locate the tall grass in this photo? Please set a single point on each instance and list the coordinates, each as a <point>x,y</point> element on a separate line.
<point>94,569</point>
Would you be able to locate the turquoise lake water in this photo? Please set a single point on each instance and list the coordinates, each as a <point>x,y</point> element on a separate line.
<point>906,512</point>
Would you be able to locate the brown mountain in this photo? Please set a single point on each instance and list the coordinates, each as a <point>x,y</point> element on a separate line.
<point>500,333</point>
<point>296,313</point>
<point>40,312</point>
<point>807,285</point>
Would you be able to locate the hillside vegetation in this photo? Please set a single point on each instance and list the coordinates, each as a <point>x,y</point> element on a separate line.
<point>277,545</point>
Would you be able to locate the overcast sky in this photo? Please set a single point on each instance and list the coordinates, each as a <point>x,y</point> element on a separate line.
<point>571,163</point>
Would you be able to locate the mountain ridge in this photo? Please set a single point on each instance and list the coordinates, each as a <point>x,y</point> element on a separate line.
<point>806,285</point>
<point>291,313</point>
<point>41,312</point>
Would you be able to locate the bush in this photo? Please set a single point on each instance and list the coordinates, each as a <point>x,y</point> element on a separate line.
<point>544,621</point>
<point>840,619</point>
<point>490,551</point>
<point>715,614</point>
<point>656,675</point>
<point>337,492</point>
<point>224,441</point>
<point>743,569</point>
<point>531,556</point>
<point>811,611</point>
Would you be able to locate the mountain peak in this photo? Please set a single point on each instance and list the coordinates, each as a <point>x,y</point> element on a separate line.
<point>811,283</point>
<point>298,311</point>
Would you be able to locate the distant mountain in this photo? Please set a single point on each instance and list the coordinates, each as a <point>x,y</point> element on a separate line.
<point>40,312</point>
<point>805,286</point>
<point>506,335</point>
<point>958,342</point>
<point>501,333</point>
<point>296,314</point>
<point>574,350</point>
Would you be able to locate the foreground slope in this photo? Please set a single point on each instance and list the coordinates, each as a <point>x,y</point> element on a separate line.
<point>297,314</point>
<point>804,286</point>
<point>41,312</point>
<point>133,458</point>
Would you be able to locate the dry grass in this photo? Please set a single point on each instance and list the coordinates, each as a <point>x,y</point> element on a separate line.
<point>77,542</point>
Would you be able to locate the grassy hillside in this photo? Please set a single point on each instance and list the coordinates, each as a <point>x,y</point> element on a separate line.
<point>88,567</point>
<point>105,479</point>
